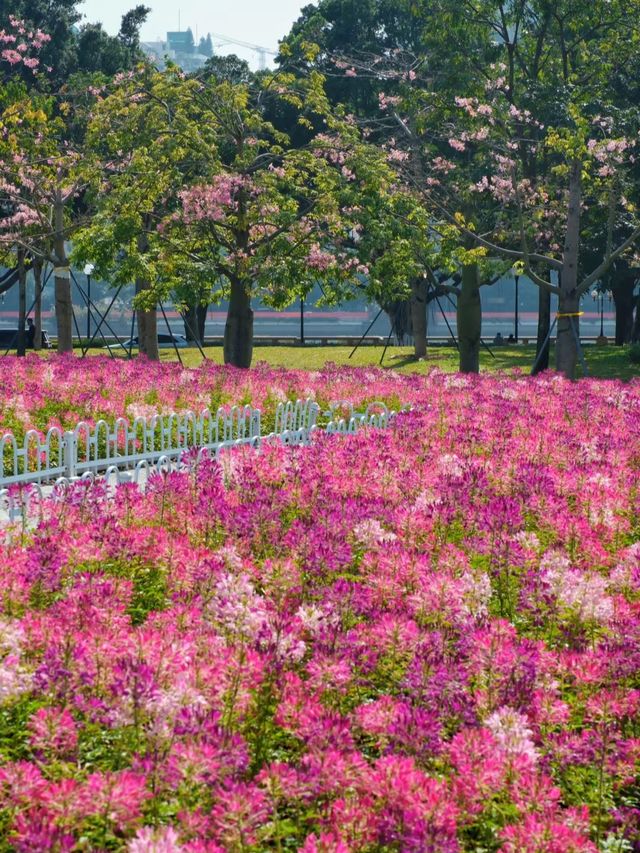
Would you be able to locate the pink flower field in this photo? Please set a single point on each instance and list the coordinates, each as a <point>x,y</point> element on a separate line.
<point>421,639</point>
<point>66,390</point>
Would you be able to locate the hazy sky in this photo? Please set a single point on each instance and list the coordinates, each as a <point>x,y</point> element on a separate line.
<point>261,22</point>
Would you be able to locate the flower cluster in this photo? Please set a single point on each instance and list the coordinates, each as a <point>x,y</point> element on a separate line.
<point>212,201</point>
<point>416,639</point>
<point>18,45</point>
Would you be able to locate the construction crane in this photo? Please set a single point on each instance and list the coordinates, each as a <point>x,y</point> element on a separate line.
<point>257,48</point>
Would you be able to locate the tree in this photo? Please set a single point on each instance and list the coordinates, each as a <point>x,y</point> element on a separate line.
<point>553,59</point>
<point>543,218</point>
<point>213,187</point>
<point>129,33</point>
<point>343,31</point>
<point>363,32</point>
<point>72,47</point>
<point>498,94</point>
<point>274,220</point>
<point>368,52</point>
<point>44,167</point>
<point>20,230</point>
<point>42,173</point>
<point>230,68</point>
<point>409,262</point>
<point>205,46</point>
<point>144,135</point>
<point>42,170</point>
<point>56,18</point>
<point>97,51</point>
<point>545,60</point>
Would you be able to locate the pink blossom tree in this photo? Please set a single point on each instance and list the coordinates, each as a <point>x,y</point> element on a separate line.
<point>497,111</point>
<point>209,183</point>
<point>42,171</point>
<point>42,174</point>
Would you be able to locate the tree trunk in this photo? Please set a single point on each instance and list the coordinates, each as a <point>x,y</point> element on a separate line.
<point>151,333</point>
<point>147,326</point>
<point>544,323</point>
<point>622,290</point>
<point>238,330</point>
<point>568,299</point>
<point>419,316</point>
<point>22,304</point>
<point>635,332</point>
<point>147,317</point>
<point>194,321</point>
<point>141,317</point>
<point>399,312</point>
<point>469,315</point>
<point>201,312</point>
<point>37,277</point>
<point>566,342</point>
<point>191,322</point>
<point>62,281</point>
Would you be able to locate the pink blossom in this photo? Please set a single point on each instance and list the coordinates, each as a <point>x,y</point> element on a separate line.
<point>54,731</point>
<point>512,733</point>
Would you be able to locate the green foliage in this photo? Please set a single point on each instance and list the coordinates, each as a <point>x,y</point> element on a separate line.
<point>101,748</point>
<point>230,68</point>
<point>325,36</point>
<point>634,354</point>
<point>14,741</point>
<point>149,584</point>
<point>149,592</point>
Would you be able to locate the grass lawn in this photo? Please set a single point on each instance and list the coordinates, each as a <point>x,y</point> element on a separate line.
<point>608,362</point>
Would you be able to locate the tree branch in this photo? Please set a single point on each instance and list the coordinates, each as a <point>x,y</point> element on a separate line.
<point>501,250</point>
<point>604,266</point>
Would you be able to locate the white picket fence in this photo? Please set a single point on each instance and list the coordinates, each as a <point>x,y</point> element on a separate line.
<point>129,451</point>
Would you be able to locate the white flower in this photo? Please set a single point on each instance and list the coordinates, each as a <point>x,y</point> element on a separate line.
<point>163,839</point>
<point>231,557</point>
<point>582,593</point>
<point>527,539</point>
<point>426,500</point>
<point>450,465</point>
<point>237,608</point>
<point>589,451</point>
<point>315,620</point>
<point>370,533</point>
<point>476,593</point>
<point>14,680</point>
<point>511,731</point>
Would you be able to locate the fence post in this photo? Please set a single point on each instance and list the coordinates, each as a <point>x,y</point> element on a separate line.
<point>70,454</point>
<point>255,430</point>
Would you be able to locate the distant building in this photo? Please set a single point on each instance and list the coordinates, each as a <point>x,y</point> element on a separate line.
<point>179,47</point>
<point>181,42</point>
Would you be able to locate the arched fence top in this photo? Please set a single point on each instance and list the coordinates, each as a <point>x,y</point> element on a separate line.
<point>136,447</point>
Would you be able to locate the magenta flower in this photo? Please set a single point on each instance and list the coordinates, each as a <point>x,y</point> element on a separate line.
<point>401,639</point>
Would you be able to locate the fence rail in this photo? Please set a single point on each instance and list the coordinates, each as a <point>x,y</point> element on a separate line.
<point>131,449</point>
